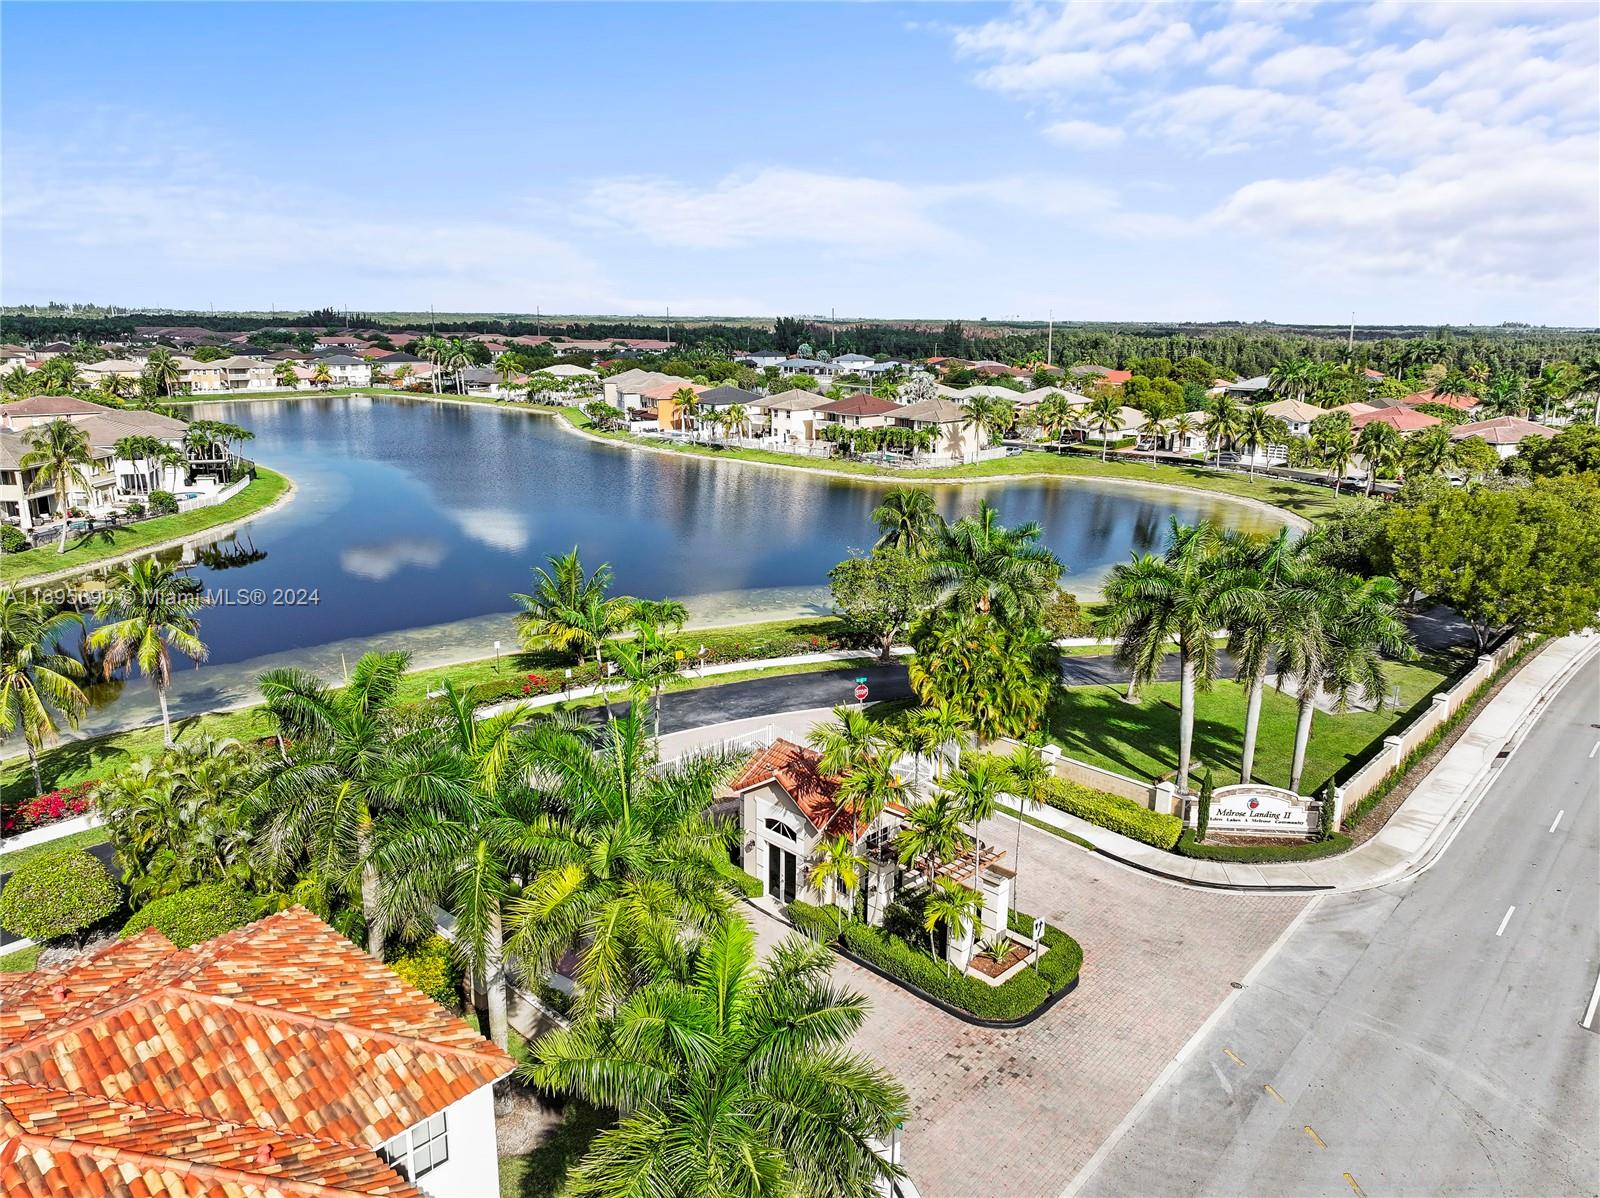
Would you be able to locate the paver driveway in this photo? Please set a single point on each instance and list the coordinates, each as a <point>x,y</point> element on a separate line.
<point>1018,1113</point>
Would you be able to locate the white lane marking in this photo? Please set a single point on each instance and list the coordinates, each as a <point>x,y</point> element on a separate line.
<point>1557,819</point>
<point>1501,929</point>
<point>1226,1084</point>
<point>1594,1000</point>
<point>1594,750</point>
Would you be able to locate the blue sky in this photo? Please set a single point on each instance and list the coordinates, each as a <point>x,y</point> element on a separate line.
<point>1293,162</point>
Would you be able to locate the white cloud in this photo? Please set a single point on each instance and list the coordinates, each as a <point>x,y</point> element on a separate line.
<point>1301,65</point>
<point>1084,135</point>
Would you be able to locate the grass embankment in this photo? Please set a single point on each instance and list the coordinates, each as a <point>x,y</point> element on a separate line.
<point>78,761</point>
<point>22,960</point>
<point>1306,501</point>
<point>1093,724</point>
<point>103,544</point>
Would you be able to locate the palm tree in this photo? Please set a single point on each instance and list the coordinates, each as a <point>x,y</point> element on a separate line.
<point>1028,778</point>
<point>978,564</point>
<point>1000,678</point>
<point>1429,451</point>
<point>1223,419</point>
<point>356,760</point>
<point>162,371</point>
<point>37,681</point>
<point>988,414</point>
<point>907,520</point>
<point>867,789</point>
<point>623,861</point>
<point>1269,600</point>
<point>835,862</point>
<point>1104,414</point>
<point>1179,428</point>
<point>506,368</point>
<point>59,454</point>
<point>283,374</point>
<point>1337,644</point>
<point>1507,394</point>
<point>1335,445</point>
<point>930,835</point>
<point>1258,432</point>
<point>551,610</point>
<point>975,788</point>
<point>955,906</point>
<point>146,614</point>
<point>730,1078</point>
<point>848,741</point>
<point>1183,597</point>
<point>433,348</point>
<point>1380,446</point>
<point>320,376</point>
<point>737,418</point>
<point>459,852</point>
<point>458,355</point>
<point>687,402</point>
<point>1055,413</point>
<point>936,725</point>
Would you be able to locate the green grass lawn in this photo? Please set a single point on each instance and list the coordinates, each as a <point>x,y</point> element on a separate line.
<point>77,840</point>
<point>541,1173</point>
<point>23,960</point>
<point>86,551</point>
<point>1307,501</point>
<point>1093,724</point>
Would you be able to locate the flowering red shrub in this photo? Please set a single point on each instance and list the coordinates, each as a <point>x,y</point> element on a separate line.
<point>51,808</point>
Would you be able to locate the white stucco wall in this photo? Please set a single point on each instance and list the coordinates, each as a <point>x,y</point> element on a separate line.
<point>473,1170</point>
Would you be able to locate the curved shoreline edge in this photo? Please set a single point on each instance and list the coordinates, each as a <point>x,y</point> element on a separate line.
<point>209,533</point>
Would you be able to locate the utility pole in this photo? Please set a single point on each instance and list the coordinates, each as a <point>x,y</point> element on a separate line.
<point>833,336</point>
<point>1050,341</point>
<point>1352,332</point>
<point>669,326</point>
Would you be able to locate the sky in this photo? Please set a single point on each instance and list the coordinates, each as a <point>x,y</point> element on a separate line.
<point>1289,162</point>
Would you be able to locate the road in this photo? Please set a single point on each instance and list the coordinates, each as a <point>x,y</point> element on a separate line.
<point>1423,1038</point>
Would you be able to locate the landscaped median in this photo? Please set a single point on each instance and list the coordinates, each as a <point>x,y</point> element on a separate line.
<point>897,951</point>
<point>103,545</point>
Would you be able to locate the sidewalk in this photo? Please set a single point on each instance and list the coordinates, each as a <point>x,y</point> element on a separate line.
<point>1414,832</point>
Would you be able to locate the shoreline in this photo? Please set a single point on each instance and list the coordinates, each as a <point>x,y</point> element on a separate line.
<point>208,533</point>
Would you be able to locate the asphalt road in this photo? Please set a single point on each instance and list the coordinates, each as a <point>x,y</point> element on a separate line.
<point>1423,1038</point>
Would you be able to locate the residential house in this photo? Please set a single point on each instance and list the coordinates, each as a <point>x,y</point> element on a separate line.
<point>1129,422</point>
<point>791,418</point>
<point>1356,408</point>
<point>1249,390</point>
<point>1407,420</point>
<point>565,370</point>
<point>1296,415</point>
<point>1505,433</point>
<point>13,355</point>
<point>762,358</point>
<point>241,373</point>
<point>1089,370</point>
<point>1002,370</point>
<point>579,346</point>
<point>625,390</point>
<point>1461,403</point>
<point>341,341</point>
<point>956,440</point>
<point>853,363</point>
<point>97,373</point>
<point>857,411</point>
<point>347,370</point>
<point>721,398</point>
<point>823,372</point>
<point>277,1059</point>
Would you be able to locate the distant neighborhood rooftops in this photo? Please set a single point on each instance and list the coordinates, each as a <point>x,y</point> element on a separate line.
<point>1407,420</point>
<point>860,405</point>
<point>1502,430</point>
<point>274,1059</point>
<point>794,401</point>
<point>932,411</point>
<point>1461,403</point>
<point>1294,411</point>
<point>717,397</point>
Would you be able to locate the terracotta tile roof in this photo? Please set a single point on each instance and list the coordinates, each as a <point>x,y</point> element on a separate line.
<point>1407,420</point>
<point>1116,376</point>
<point>1461,403</point>
<point>794,768</point>
<point>860,405</point>
<point>50,405</point>
<point>273,1059</point>
<point>1502,430</point>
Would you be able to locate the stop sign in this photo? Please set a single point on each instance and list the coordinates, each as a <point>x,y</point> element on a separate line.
<point>861,692</point>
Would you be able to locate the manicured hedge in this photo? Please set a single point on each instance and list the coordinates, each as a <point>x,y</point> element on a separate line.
<point>195,914</point>
<point>1187,846</point>
<point>1113,812</point>
<point>1025,992</point>
<point>740,881</point>
<point>820,923</point>
<point>57,895</point>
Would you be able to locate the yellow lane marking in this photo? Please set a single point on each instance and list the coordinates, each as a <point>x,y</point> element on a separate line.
<point>1359,1192</point>
<point>1273,1092</point>
<point>1311,1131</point>
<point>1234,1057</point>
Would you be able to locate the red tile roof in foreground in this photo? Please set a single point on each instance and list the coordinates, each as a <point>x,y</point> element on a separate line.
<point>816,794</point>
<point>1407,420</point>
<point>272,1060</point>
<point>1461,403</point>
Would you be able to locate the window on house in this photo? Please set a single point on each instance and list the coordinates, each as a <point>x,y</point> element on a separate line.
<point>418,1150</point>
<point>778,828</point>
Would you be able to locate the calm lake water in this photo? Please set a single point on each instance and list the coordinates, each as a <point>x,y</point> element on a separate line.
<point>415,521</point>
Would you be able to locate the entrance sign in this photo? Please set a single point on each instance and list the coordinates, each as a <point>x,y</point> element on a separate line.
<point>1263,811</point>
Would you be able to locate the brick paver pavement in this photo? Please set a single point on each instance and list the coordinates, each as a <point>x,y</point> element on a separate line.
<point>1018,1113</point>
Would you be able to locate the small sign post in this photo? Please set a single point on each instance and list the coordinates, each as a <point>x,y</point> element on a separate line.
<point>1038,935</point>
<point>861,692</point>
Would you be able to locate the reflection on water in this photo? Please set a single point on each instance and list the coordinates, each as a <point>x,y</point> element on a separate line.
<point>415,521</point>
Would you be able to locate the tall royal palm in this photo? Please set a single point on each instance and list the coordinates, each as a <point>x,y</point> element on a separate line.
<point>624,861</point>
<point>1258,433</point>
<point>147,612</point>
<point>907,520</point>
<point>38,683</point>
<point>1381,447</point>
<point>975,789</point>
<point>1270,593</point>
<point>978,564</point>
<point>1180,599</point>
<point>732,1078</point>
<point>1223,419</point>
<point>58,453</point>
<point>163,371</point>
<point>1104,415</point>
<point>356,759</point>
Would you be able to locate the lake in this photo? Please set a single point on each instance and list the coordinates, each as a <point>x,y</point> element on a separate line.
<point>416,520</point>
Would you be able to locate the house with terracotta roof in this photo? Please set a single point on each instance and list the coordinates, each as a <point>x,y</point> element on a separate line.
<point>858,411</point>
<point>275,1060</point>
<point>1461,403</point>
<point>1505,433</point>
<point>1407,420</point>
<point>955,440</point>
<point>1296,415</point>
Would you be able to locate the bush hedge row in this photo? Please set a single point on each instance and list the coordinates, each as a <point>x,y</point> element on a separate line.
<point>739,880</point>
<point>1025,992</point>
<point>1115,813</point>
<point>198,913</point>
<point>431,968</point>
<point>1187,846</point>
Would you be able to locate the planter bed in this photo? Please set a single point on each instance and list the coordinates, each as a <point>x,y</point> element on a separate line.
<point>896,958</point>
<point>1260,854</point>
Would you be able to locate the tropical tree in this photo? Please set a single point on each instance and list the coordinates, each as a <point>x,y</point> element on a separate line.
<point>1000,679</point>
<point>555,609</point>
<point>957,907</point>
<point>59,455</point>
<point>930,728</point>
<point>1270,598</point>
<point>38,683</point>
<point>1179,429</point>
<point>60,374</point>
<point>835,863</point>
<point>978,564</point>
<point>623,860</point>
<point>1335,445</point>
<point>908,520</point>
<point>989,414</point>
<point>975,789</point>
<point>283,374</point>
<point>1223,421</point>
<point>686,400</point>
<point>1104,415</point>
<point>320,375</point>
<point>930,835</point>
<point>1182,598</point>
<point>1429,452</point>
<point>162,370</point>
<point>146,612</point>
<point>458,355</point>
<point>1381,447</point>
<point>356,760</point>
<point>1507,394</point>
<point>849,740</point>
<point>731,1078</point>
<point>1258,432</point>
<point>737,417</point>
<point>1055,412</point>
